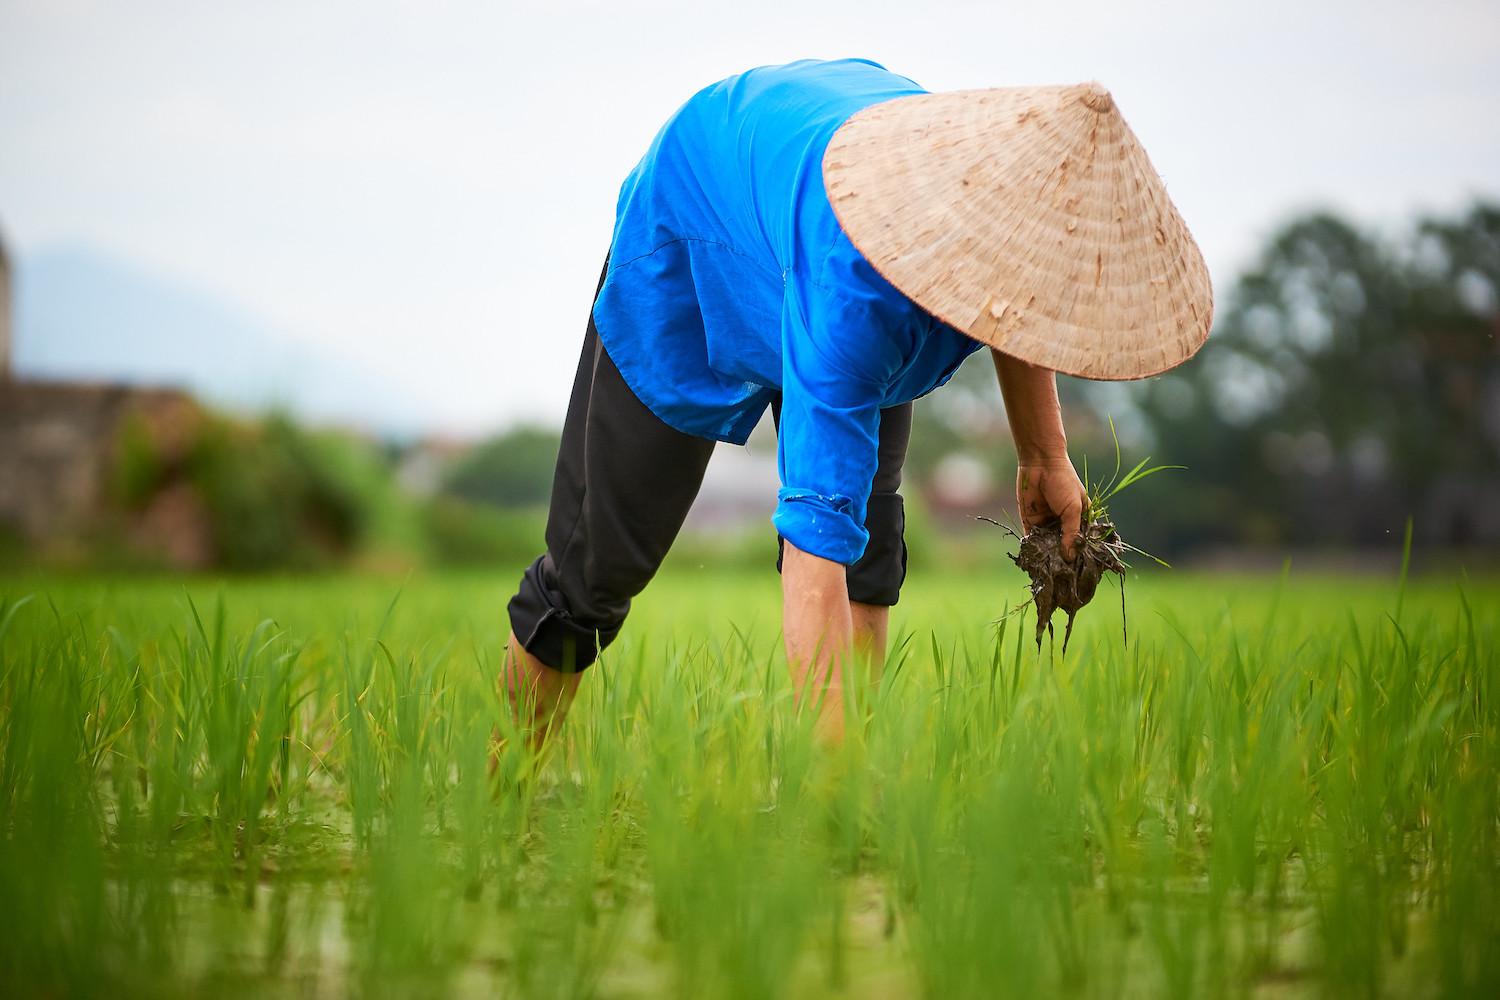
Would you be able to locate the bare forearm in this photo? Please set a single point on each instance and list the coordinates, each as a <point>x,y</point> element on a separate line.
<point>819,632</point>
<point>1047,486</point>
<point>1032,408</point>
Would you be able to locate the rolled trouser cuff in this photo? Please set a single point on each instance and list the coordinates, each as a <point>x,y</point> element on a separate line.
<point>546,629</point>
<point>876,577</point>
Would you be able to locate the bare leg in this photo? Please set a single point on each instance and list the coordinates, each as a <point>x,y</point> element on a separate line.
<point>539,696</point>
<point>870,625</point>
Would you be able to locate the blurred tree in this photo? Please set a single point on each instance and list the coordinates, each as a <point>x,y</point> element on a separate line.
<point>279,496</point>
<point>1346,386</point>
<point>1349,382</point>
<point>511,470</point>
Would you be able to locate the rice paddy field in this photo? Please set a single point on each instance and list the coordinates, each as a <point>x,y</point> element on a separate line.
<point>1280,787</point>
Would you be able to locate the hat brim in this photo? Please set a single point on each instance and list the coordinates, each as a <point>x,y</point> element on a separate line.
<point>1029,219</point>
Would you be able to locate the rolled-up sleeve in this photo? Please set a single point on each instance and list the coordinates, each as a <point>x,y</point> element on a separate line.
<point>836,364</point>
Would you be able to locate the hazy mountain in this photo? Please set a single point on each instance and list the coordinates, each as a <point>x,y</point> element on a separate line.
<point>82,314</point>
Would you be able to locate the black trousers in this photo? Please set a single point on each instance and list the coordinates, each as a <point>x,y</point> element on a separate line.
<point>622,488</point>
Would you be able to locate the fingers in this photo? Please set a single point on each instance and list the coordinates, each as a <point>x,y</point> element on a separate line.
<point>1072,522</point>
<point>1043,494</point>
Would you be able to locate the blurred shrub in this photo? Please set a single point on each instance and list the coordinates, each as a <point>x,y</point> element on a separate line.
<point>278,496</point>
<point>138,469</point>
<point>512,470</point>
<point>270,495</point>
<point>459,533</point>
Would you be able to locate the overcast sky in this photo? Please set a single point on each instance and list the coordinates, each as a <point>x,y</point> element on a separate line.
<point>428,187</point>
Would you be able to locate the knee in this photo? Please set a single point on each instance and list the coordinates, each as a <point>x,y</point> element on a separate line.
<point>564,631</point>
<point>878,575</point>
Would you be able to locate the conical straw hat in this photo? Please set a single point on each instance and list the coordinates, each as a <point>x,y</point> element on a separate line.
<point>1028,218</point>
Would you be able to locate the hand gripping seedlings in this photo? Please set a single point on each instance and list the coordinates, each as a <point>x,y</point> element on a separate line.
<point>1058,583</point>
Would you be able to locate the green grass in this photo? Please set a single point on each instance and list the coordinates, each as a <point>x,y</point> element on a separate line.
<point>1280,788</point>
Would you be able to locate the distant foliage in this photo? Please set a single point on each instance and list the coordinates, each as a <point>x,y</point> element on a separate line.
<point>512,470</point>
<point>139,466</point>
<point>267,494</point>
<point>270,494</point>
<point>278,496</point>
<point>466,534</point>
<point>1351,380</point>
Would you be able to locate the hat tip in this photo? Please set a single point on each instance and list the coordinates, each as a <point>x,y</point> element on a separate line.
<point>1095,96</point>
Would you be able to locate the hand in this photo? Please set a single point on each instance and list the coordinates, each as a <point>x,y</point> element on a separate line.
<point>1052,490</point>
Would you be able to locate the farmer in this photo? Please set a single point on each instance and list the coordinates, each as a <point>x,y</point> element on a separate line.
<point>831,241</point>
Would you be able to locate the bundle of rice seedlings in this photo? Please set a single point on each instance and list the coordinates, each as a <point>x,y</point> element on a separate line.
<point>1056,581</point>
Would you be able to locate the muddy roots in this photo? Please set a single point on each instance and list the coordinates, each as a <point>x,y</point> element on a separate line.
<point>1058,583</point>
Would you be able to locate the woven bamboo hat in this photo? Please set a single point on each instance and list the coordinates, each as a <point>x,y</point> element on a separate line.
<point>1028,218</point>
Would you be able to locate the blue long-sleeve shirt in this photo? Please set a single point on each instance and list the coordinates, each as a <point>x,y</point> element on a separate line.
<point>730,280</point>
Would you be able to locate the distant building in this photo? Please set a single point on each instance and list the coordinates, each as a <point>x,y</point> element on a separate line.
<point>59,452</point>
<point>738,492</point>
<point>424,465</point>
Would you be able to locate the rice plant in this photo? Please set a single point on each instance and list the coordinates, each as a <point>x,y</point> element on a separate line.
<point>1282,784</point>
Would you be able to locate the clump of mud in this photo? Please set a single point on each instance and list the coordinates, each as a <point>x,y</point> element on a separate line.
<point>1058,583</point>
